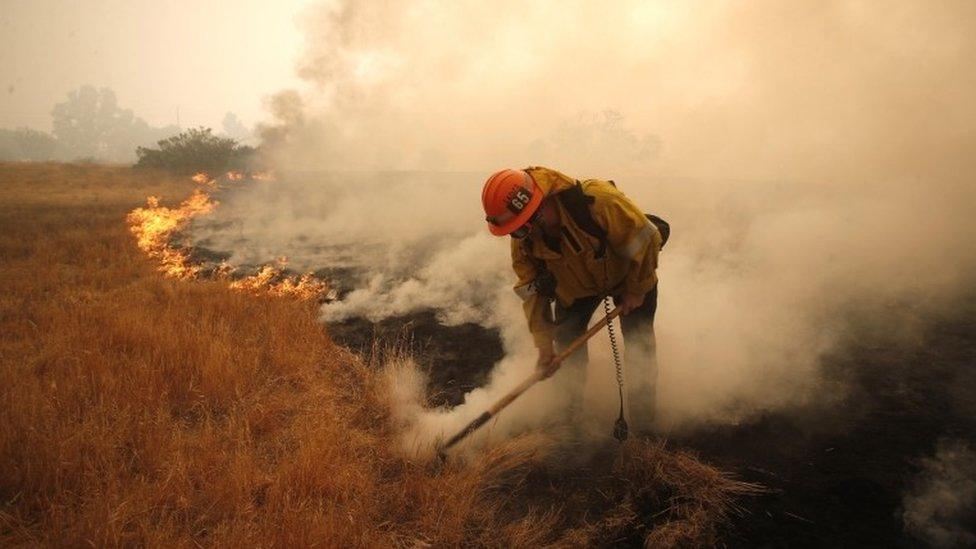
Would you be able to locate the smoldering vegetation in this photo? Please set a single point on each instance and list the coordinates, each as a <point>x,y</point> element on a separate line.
<point>757,286</point>
<point>339,224</point>
<point>940,507</point>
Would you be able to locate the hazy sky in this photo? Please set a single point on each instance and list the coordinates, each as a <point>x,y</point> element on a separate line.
<point>206,57</point>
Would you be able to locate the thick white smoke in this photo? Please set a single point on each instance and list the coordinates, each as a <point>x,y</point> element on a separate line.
<point>826,149</point>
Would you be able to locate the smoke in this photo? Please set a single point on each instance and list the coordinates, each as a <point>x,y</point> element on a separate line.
<point>752,299</point>
<point>764,90</point>
<point>940,508</point>
<point>814,160</point>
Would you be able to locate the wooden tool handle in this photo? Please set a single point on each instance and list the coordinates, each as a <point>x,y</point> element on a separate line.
<point>536,376</point>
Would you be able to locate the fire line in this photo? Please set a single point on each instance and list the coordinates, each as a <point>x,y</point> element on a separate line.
<point>156,228</point>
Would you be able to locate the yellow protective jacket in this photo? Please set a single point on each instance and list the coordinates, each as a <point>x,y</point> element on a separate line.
<point>628,264</point>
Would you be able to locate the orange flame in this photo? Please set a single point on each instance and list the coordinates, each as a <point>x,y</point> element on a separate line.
<point>271,280</point>
<point>155,227</point>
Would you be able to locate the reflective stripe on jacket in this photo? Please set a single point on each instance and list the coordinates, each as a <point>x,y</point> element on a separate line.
<point>627,265</point>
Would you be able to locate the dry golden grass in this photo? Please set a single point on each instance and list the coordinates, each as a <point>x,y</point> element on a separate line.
<point>138,410</point>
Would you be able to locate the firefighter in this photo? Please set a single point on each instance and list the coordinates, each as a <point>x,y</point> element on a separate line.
<point>572,244</point>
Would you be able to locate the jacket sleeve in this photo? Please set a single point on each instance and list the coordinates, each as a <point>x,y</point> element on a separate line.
<point>534,305</point>
<point>631,236</point>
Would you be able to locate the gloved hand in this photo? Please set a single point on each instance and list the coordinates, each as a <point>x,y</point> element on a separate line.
<point>545,284</point>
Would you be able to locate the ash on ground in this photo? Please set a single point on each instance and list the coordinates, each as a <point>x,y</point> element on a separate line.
<point>456,359</point>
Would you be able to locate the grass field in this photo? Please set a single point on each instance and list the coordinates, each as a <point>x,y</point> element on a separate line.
<point>140,410</point>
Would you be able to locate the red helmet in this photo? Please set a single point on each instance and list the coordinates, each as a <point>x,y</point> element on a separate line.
<point>510,197</point>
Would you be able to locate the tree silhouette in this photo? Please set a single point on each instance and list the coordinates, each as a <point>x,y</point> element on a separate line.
<point>90,124</point>
<point>235,129</point>
<point>27,144</point>
<point>599,141</point>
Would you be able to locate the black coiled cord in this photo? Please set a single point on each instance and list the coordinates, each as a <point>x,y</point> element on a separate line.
<point>620,426</point>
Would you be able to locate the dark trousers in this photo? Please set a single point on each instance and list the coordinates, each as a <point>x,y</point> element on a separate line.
<point>639,357</point>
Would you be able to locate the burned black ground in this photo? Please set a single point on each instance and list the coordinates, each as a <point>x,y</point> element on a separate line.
<point>836,474</point>
<point>456,358</point>
<point>839,474</point>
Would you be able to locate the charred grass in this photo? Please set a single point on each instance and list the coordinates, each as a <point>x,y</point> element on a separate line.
<point>136,410</point>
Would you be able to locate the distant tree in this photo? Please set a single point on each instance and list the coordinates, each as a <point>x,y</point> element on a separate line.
<point>27,144</point>
<point>195,150</point>
<point>597,141</point>
<point>90,124</point>
<point>235,129</point>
